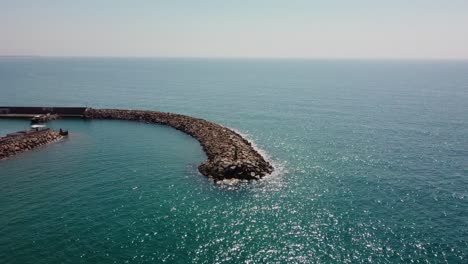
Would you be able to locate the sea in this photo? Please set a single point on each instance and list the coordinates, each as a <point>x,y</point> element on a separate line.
<point>370,158</point>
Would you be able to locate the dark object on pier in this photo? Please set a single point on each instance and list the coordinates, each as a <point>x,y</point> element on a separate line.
<point>63,132</point>
<point>37,119</point>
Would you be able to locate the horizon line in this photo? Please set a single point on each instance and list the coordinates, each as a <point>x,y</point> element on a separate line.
<point>234,57</point>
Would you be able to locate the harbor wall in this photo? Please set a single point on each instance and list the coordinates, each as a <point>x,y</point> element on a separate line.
<point>30,110</point>
<point>21,141</point>
<point>230,156</point>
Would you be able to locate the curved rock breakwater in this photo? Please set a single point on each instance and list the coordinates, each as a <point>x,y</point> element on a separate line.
<point>22,141</point>
<point>230,156</point>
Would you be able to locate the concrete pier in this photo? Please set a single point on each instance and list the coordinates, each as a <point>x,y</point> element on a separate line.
<point>29,112</point>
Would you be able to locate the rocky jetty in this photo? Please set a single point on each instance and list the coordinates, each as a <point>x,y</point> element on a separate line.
<point>18,142</point>
<point>230,156</point>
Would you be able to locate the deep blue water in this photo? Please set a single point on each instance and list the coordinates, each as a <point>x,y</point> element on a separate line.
<point>371,163</point>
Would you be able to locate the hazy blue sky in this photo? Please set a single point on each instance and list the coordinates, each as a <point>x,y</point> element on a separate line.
<point>249,28</point>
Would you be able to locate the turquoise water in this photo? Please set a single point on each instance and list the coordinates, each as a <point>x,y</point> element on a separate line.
<point>371,159</point>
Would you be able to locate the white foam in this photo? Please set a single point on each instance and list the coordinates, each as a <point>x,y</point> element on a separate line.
<point>278,166</point>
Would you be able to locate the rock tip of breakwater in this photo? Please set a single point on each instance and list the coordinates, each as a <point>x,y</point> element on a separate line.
<point>245,170</point>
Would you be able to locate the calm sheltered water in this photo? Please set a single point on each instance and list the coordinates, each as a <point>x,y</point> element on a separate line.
<point>86,139</point>
<point>375,163</point>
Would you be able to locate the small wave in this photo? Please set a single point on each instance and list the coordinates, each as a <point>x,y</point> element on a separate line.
<point>279,166</point>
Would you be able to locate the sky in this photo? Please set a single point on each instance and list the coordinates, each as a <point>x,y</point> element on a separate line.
<point>368,29</point>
